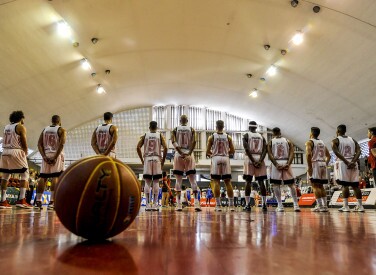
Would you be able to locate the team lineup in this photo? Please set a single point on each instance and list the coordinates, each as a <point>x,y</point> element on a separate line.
<point>152,151</point>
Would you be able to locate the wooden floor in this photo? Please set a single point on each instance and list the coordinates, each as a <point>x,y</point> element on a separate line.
<point>167,242</point>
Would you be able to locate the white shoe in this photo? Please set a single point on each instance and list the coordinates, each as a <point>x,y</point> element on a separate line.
<point>217,209</point>
<point>324,209</point>
<point>231,208</point>
<point>316,209</point>
<point>155,207</point>
<point>197,207</point>
<point>179,208</point>
<point>147,207</point>
<point>280,209</point>
<point>344,209</point>
<point>358,208</point>
<point>296,208</point>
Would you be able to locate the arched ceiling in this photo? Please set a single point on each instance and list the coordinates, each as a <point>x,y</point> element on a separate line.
<point>195,52</point>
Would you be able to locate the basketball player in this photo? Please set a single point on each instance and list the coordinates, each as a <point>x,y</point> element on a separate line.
<point>346,170</point>
<point>281,154</point>
<point>153,160</point>
<point>372,150</point>
<point>219,148</point>
<point>50,145</point>
<point>318,158</point>
<point>105,137</point>
<point>183,139</point>
<point>13,159</point>
<point>255,151</point>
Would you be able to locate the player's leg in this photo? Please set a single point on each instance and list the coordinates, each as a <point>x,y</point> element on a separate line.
<point>261,183</point>
<point>147,189</point>
<point>358,195</point>
<point>4,204</point>
<point>217,193</point>
<point>52,198</point>
<point>248,189</point>
<point>345,195</point>
<point>294,197</point>
<point>155,194</point>
<point>23,186</point>
<point>178,185</point>
<point>277,194</point>
<point>230,193</point>
<point>40,189</point>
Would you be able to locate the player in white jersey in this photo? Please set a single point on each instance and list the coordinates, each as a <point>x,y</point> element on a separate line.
<point>153,160</point>
<point>13,159</point>
<point>346,170</point>
<point>219,148</point>
<point>105,137</point>
<point>183,139</point>
<point>255,150</point>
<point>318,158</point>
<point>50,145</point>
<point>281,154</point>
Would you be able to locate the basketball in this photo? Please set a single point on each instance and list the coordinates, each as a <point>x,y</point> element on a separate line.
<point>97,197</point>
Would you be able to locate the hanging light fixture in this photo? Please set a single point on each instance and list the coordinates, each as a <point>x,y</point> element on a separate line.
<point>272,70</point>
<point>85,64</point>
<point>254,93</point>
<point>297,39</point>
<point>100,89</point>
<point>64,29</point>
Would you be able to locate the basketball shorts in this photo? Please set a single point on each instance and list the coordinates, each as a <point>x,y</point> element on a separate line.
<point>250,170</point>
<point>277,176</point>
<point>13,161</point>
<point>345,176</point>
<point>184,165</point>
<point>152,168</point>
<point>220,168</point>
<point>319,172</point>
<point>52,170</point>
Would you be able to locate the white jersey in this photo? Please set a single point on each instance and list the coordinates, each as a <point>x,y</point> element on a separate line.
<point>152,145</point>
<point>236,192</point>
<point>104,137</point>
<point>255,143</point>
<point>11,140</point>
<point>221,145</point>
<point>346,147</point>
<point>280,148</point>
<point>184,138</point>
<point>242,193</point>
<point>318,150</point>
<point>51,139</point>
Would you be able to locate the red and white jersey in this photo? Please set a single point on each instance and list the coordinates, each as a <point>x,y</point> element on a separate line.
<point>152,145</point>
<point>255,143</point>
<point>51,139</point>
<point>104,137</point>
<point>280,148</point>
<point>11,140</point>
<point>318,150</point>
<point>346,147</point>
<point>220,145</point>
<point>184,137</point>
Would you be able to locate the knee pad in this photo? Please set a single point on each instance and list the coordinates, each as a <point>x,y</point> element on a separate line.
<point>25,175</point>
<point>179,180</point>
<point>5,176</point>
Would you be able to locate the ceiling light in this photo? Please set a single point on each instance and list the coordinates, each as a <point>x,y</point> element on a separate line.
<point>254,93</point>
<point>85,64</point>
<point>100,89</point>
<point>316,9</point>
<point>283,52</point>
<point>266,47</point>
<point>294,3</point>
<point>94,40</point>
<point>297,38</point>
<point>249,75</point>
<point>63,29</point>
<point>272,70</point>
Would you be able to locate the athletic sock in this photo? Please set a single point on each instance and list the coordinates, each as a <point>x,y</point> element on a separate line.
<point>318,202</point>
<point>231,201</point>
<point>263,198</point>
<point>218,202</point>
<point>360,202</point>
<point>39,196</point>
<point>3,195</point>
<point>247,200</point>
<point>178,199</point>
<point>22,193</point>
<point>346,202</point>
<point>324,201</point>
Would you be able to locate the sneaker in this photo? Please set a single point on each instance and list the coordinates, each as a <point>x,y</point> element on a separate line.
<point>38,205</point>
<point>51,206</point>
<point>324,209</point>
<point>197,207</point>
<point>155,207</point>
<point>231,208</point>
<point>280,209</point>
<point>247,208</point>
<point>358,208</point>
<point>296,209</point>
<point>147,207</point>
<point>316,209</point>
<point>217,209</point>
<point>264,208</point>
<point>23,204</point>
<point>5,205</point>
<point>344,209</point>
<point>179,208</point>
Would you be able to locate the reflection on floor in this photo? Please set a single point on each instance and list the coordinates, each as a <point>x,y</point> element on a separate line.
<point>169,242</point>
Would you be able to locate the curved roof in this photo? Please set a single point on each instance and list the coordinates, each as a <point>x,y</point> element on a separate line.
<point>195,52</point>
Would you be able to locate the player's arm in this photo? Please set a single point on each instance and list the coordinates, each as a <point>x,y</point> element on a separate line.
<point>270,154</point>
<point>114,134</point>
<point>291,153</point>
<point>41,147</point>
<point>193,143</point>
<point>209,146</point>
<point>264,150</point>
<point>246,147</point>
<point>164,144</point>
<point>335,144</point>
<point>21,131</point>
<point>174,142</point>
<point>62,137</point>
<point>356,156</point>
<point>231,151</point>
<point>308,147</point>
<point>139,145</point>
<point>327,156</point>
<point>94,144</point>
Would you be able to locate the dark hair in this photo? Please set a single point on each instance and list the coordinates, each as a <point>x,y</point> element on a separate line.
<point>220,123</point>
<point>16,116</point>
<point>153,125</point>
<point>341,129</point>
<point>164,173</point>
<point>372,130</point>
<point>108,116</point>
<point>276,131</point>
<point>55,119</point>
<point>315,131</point>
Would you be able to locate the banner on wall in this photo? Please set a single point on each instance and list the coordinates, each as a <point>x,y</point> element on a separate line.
<point>368,197</point>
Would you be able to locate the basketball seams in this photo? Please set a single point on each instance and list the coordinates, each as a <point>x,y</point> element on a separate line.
<point>117,180</point>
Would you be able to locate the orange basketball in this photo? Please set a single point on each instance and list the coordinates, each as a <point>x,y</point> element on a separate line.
<point>97,197</point>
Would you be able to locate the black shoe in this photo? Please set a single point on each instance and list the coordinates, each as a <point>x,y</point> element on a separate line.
<point>247,208</point>
<point>264,208</point>
<point>38,205</point>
